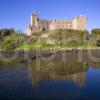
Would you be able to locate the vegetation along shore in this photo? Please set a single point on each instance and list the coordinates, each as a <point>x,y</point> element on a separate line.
<point>61,39</point>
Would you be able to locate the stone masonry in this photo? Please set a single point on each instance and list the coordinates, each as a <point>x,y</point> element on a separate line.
<point>79,23</point>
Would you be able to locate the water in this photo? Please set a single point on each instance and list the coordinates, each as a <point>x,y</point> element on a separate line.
<point>50,80</point>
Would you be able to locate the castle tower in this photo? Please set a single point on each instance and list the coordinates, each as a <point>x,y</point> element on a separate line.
<point>34,20</point>
<point>79,23</point>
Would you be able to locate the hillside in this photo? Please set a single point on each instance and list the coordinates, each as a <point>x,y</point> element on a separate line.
<point>62,38</point>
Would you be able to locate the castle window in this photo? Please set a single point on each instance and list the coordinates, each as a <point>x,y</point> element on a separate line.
<point>37,19</point>
<point>43,29</point>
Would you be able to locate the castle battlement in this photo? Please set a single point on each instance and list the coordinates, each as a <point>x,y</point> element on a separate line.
<point>79,23</point>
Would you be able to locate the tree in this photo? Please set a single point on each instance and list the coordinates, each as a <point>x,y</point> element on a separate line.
<point>12,41</point>
<point>98,43</point>
<point>95,36</point>
<point>6,32</point>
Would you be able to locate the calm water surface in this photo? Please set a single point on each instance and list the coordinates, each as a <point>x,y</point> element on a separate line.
<point>50,81</point>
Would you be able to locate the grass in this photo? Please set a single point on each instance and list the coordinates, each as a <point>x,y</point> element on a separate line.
<point>40,46</point>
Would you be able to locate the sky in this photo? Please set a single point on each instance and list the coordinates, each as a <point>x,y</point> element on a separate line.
<point>16,13</point>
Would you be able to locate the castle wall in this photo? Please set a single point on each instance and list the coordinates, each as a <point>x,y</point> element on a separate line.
<point>79,23</point>
<point>60,24</point>
<point>74,24</point>
<point>43,24</point>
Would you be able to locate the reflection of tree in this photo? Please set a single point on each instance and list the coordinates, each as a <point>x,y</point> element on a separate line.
<point>7,63</point>
<point>58,71</point>
<point>95,65</point>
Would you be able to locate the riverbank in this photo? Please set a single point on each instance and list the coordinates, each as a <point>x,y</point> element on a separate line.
<point>55,48</point>
<point>52,54</point>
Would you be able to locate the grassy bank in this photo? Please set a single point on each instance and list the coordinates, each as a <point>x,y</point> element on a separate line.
<point>57,39</point>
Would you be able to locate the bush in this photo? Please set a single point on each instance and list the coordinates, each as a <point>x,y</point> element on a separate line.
<point>98,43</point>
<point>6,32</point>
<point>12,41</point>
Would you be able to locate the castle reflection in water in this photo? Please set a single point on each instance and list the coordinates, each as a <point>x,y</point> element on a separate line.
<point>54,71</point>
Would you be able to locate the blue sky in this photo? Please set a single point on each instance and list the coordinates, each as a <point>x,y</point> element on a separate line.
<point>16,13</point>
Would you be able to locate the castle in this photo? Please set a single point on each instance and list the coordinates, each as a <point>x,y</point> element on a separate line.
<point>79,23</point>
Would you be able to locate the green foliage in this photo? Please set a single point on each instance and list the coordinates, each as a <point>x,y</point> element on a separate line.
<point>62,38</point>
<point>95,37</point>
<point>68,38</point>
<point>98,43</point>
<point>95,31</point>
<point>6,32</point>
<point>11,40</point>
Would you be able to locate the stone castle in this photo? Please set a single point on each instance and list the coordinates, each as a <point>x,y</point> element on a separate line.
<point>79,23</point>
